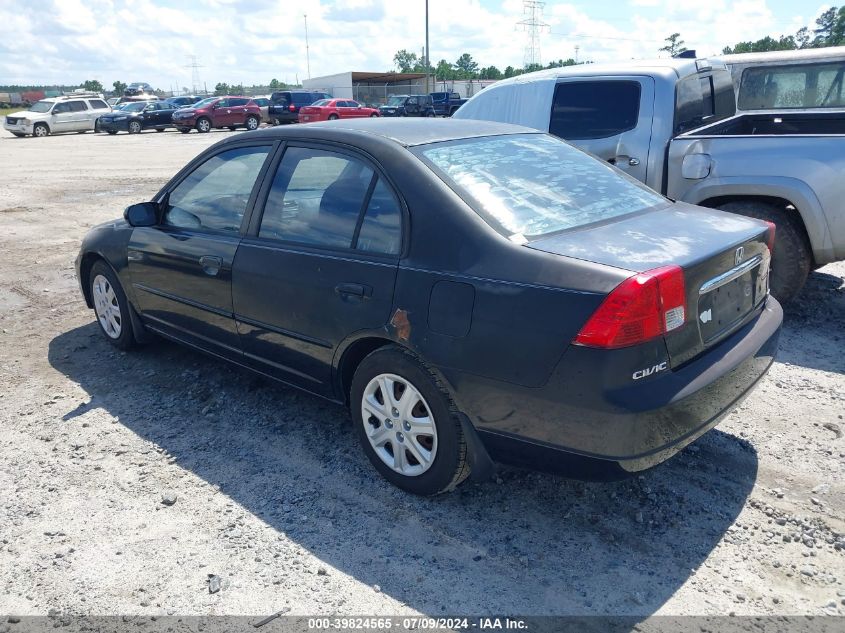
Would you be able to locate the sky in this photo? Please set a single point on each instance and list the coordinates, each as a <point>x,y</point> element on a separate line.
<point>253,41</point>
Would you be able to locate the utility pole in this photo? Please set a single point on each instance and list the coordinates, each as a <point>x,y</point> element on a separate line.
<point>307,52</point>
<point>427,53</point>
<point>576,53</point>
<point>533,25</point>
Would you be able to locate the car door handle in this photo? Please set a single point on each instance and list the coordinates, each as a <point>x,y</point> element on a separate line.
<point>211,265</point>
<point>357,290</point>
<point>630,160</point>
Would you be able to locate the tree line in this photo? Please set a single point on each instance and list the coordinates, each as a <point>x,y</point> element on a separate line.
<point>829,31</point>
<point>465,67</point>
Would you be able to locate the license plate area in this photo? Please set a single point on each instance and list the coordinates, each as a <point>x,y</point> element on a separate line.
<point>724,305</point>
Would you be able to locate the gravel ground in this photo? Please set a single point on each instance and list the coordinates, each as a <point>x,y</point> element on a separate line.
<point>164,482</point>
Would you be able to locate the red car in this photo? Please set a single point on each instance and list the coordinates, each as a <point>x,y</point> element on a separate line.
<point>218,112</point>
<point>331,109</point>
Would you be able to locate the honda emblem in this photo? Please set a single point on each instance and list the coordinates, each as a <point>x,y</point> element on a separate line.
<point>740,253</point>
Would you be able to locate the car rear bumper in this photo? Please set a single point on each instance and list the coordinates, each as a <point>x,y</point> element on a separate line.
<point>577,425</point>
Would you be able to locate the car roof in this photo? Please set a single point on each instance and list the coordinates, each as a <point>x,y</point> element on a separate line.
<point>405,132</point>
<point>667,67</point>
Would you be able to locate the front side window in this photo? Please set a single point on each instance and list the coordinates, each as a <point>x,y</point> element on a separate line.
<point>61,108</point>
<point>530,185</point>
<point>816,85</point>
<point>215,195</point>
<point>594,109</point>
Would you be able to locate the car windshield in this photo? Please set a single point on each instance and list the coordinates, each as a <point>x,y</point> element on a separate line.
<point>529,185</point>
<point>395,101</point>
<point>41,106</point>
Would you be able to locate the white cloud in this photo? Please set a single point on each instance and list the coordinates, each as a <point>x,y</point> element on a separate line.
<point>252,42</point>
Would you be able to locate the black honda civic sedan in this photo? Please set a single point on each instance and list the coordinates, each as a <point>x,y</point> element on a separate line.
<point>472,291</point>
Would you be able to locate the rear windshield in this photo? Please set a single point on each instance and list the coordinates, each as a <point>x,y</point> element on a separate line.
<point>529,185</point>
<point>796,86</point>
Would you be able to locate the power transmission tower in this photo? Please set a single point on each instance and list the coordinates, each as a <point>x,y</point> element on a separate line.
<point>195,73</point>
<point>533,25</point>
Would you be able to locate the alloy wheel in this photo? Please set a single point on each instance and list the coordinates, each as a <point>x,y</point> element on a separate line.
<point>399,424</point>
<point>107,307</point>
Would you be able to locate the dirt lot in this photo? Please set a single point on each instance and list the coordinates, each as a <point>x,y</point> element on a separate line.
<point>274,498</point>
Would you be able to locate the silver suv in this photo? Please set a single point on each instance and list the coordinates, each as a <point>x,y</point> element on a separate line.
<point>69,113</point>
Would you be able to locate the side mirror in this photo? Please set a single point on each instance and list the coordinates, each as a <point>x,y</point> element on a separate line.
<point>141,214</point>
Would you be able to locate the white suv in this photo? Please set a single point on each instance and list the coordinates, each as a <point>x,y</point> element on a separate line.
<point>70,113</point>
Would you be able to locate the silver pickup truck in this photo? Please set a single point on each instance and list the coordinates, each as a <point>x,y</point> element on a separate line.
<point>672,123</point>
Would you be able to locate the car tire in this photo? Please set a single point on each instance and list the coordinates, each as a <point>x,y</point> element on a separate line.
<point>792,259</point>
<point>203,125</point>
<point>81,131</point>
<point>396,369</point>
<point>252,123</point>
<point>184,130</point>
<point>232,128</point>
<point>134,127</point>
<point>374,115</point>
<point>19,134</point>
<point>159,129</point>
<point>333,117</point>
<point>112,132</point>
<point>40,130</point>
<point>110,306</point>
<point>430,115</point>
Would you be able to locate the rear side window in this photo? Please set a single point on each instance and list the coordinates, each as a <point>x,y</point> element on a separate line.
<point>238,102</point>
<point>529,185</point>
<point>816,85</point>
<point>594,109</point>
<point>215,195</point>
<point>302,98</point>
<point>703,99</point>
<point>318,198</point>
<point>97,104</point>
<point>77,106</point>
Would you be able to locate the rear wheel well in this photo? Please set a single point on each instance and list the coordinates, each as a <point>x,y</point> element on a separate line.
<point>353,356</point>
<point>780,203</point>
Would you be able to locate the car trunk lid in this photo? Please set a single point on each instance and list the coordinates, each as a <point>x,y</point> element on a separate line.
<point>724,258</point>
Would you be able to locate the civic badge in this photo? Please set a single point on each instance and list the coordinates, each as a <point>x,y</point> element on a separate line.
<point>740,253</point>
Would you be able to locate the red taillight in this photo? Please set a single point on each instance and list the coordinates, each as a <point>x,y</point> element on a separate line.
<point>639,309</point>
<point>292,108</point>
<point>770,237</point>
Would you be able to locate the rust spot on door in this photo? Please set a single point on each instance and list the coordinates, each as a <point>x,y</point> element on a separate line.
<point>401,324</point>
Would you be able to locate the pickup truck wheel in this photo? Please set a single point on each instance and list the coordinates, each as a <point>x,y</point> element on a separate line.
<point>40,130</point>
<point>203,125</point>
<point>252,123</point>
<point>110,306</point>
<point>792,258</point>
<point>407,424</point>
<point>134,127</point>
